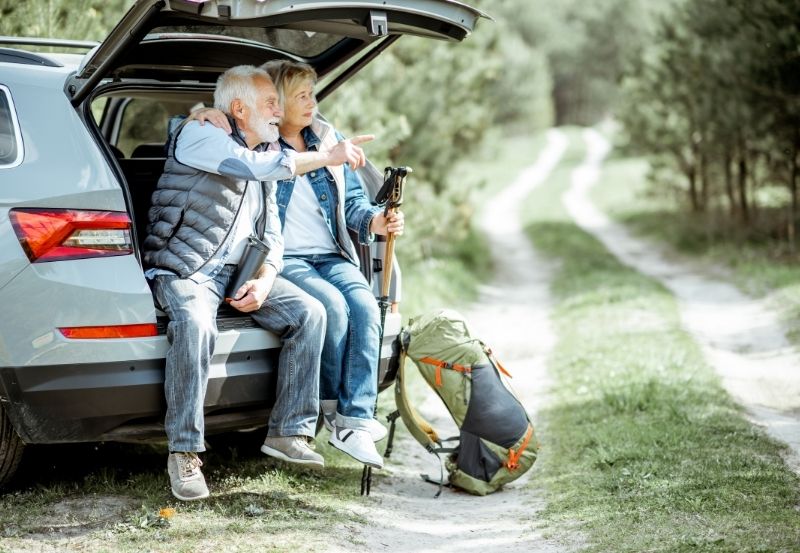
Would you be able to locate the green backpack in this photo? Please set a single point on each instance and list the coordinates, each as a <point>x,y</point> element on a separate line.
<point>496,443</point>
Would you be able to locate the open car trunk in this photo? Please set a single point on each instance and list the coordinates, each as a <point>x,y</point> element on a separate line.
<point>153,39</point>
<point>173,51</point>
<point>163,59</point>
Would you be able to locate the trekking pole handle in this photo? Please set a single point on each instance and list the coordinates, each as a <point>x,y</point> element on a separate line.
<point>391,195</point>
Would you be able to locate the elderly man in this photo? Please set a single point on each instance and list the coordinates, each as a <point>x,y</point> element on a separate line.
<point>214,190</point>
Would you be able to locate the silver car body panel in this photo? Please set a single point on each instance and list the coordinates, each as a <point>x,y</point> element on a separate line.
<point>63,169</point>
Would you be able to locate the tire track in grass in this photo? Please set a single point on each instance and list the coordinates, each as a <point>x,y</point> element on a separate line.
<point>740,337</point>
<point>401,514</point>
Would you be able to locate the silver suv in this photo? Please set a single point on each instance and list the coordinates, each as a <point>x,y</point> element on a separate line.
<point>82,344</point>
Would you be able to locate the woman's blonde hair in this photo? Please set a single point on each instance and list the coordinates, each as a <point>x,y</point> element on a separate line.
<point>287,75</point>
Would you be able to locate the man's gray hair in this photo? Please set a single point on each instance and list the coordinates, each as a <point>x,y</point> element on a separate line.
<point>237,82</point>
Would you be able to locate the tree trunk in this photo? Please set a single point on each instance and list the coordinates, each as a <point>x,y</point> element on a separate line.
<point>795,175</point>
<point>742,185</point>
<point>691,173</point>
<point>704,184</point>
<point>728,161</point>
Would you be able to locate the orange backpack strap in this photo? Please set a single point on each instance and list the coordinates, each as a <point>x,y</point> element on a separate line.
<point>513,456</point>
<point>495,360</point>
<point>439,364</point>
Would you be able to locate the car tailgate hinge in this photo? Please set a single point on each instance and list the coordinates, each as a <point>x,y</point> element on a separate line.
<point>378,23</point>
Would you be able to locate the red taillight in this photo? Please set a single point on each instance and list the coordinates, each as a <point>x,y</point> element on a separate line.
<point>105,332</point>
<point>59,234</point>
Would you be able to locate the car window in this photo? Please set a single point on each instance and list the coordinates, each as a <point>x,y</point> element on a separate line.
<point>144,121</point>
<point>98,106</point>
<point>10,138</point>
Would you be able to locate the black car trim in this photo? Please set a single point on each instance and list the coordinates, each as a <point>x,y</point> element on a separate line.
<point>16,132</point>
<point>10,55</point>
<point>70,403</point>
<point>355,67</point>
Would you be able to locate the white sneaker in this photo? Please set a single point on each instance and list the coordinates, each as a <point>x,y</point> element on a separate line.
<point>357,444</point>
<point>376,430</point>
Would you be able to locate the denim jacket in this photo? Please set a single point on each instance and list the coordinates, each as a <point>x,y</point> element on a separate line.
<point>344,203</point>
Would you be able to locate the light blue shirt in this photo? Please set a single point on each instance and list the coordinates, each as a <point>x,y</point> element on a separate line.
<point>210,149</point>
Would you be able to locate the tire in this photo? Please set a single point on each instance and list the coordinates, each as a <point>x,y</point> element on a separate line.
<point>11,447</point>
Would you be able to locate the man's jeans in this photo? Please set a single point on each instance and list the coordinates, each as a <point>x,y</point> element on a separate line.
<point>350,354</point>
<point>297,318</point>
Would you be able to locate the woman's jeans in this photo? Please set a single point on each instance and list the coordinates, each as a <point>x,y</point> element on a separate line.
<point>350,353</point>
<point>294,316</point>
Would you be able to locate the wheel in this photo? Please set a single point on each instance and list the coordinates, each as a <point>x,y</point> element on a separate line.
<point>11,447</point>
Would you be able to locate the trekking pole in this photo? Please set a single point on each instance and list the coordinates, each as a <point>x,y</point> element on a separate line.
<point>391,197</point>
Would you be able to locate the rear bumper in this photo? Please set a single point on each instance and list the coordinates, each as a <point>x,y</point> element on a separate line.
<point>77,403</point>
<point>124,400</point>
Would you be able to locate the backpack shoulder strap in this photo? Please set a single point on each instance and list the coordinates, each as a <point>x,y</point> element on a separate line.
<point>421,429</point>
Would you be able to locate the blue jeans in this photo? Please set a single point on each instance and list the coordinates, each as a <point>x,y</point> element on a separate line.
<point>297,318</point>
<point>350,352</point>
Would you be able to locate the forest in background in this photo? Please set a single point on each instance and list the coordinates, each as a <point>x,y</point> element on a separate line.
<point>713,99</point>
<point>707,90</point>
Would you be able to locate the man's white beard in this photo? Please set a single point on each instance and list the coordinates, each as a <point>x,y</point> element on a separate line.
<point>263,127</point>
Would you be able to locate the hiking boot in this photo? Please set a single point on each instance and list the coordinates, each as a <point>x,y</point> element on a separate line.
<point>188,483</point>
<point>357,444</point>
<point>376,430</point>
<point>294,449</point>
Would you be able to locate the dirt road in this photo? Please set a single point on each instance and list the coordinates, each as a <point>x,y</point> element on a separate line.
<point>512,316</point>
<point>740,336</point>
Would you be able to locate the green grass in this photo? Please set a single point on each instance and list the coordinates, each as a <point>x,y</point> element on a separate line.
<point>499,164</point>
<point>452,281</point>
<point>642,449</point>
<point>256,504</point>
<point>759,263</point>
<point>437,282</point>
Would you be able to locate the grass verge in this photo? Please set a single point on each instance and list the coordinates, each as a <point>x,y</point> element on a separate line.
<point>109,497</point>
<point>452,281</point>
<point>643,450</point>
<point>759,264</point>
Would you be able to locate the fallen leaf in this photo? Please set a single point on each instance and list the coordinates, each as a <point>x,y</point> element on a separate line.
<point>167,513</point>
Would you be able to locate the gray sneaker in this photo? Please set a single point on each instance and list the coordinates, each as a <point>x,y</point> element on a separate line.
<point>294,449</point>
<point>188,483</point>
